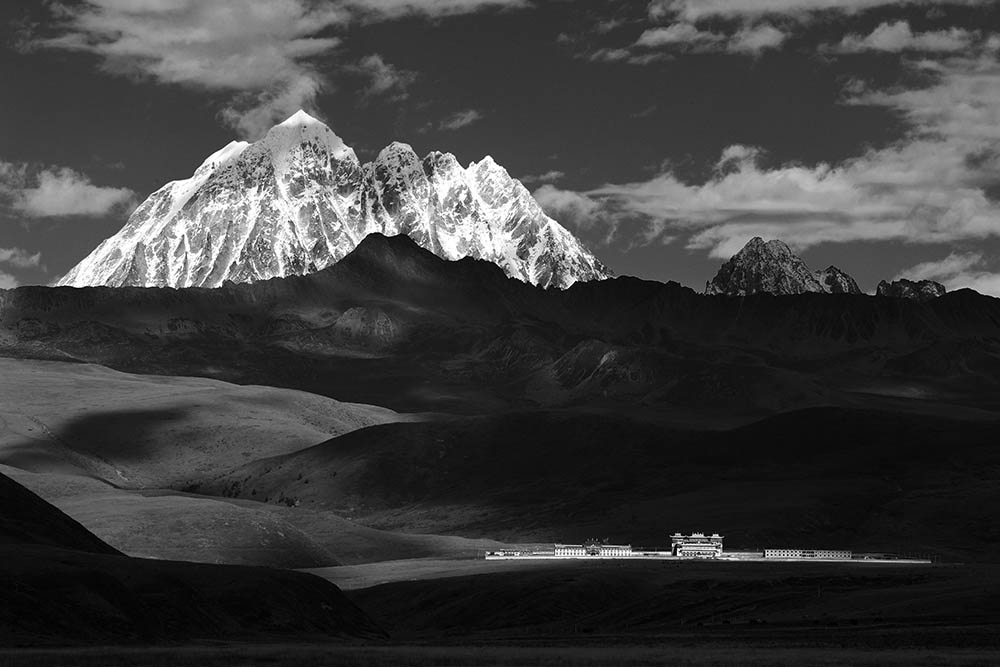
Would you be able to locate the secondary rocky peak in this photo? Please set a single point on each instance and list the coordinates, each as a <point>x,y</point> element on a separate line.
<point>835,281</point>
<point>398,158</point>
<point>922,290</point>
<point>441,164</point>
<point>769,267</point>
<point>299,200</point>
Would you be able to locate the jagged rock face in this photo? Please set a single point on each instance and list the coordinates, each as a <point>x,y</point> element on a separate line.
<point>909,289</point>
<point>769,267</point>
<point>299,200</point>
<point>835,281</point>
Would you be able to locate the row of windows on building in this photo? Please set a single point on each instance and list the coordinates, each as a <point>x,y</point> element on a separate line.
<point>808,553</point>
<point>593,549</point>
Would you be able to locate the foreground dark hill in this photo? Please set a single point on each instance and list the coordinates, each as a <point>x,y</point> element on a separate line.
<point>27,519</point>
<point>62,585</point>
<point>823,478</point>
<point>392,324</point>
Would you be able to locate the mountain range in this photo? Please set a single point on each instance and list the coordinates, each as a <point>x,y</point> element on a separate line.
<point>299,200</point>
<point>394,325</point>
<point>770,267</point>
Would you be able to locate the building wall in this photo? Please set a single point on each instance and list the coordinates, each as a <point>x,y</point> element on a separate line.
<point>808,553</point>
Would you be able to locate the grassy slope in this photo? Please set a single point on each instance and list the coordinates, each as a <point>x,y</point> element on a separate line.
<point>145,431</point>
<point>824,477</point>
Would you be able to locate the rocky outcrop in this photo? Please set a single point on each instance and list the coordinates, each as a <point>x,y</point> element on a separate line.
<point>835,281</point>
<point>769,267</point>
<point>921,290</point>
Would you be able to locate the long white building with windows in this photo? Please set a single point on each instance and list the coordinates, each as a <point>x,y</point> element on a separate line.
<point>696,546</point>
<point>798,554</point>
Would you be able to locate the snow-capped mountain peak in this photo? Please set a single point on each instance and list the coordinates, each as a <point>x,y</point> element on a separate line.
<point>299,200</point>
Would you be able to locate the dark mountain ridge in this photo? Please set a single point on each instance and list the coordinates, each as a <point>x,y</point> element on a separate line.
<point>392,310</point>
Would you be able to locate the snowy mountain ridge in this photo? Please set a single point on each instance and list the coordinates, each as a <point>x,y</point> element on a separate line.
<point>299,200</point>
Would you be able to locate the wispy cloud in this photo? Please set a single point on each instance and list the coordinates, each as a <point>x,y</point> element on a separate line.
<point>384,79</point>
<point>460,119</point>
<point>380,10</point>
<point>933,186</point>
<point>697,10</point>
<point>261,53</point>
<point>552,176</point>
<point>20,258</point>
<point>898,37</point>
<point>574,208</point>
<point>663,42</point>
<point>258,51</point>
<point>957,271</point>
<point>58,192</point>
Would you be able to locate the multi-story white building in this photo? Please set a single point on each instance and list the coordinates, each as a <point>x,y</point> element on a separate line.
<point>696,545</point>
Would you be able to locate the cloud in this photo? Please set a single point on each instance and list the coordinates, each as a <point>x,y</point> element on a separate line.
<point>58,192</point>
<point>262,54</point>
<point>20,258</point>
<point>951,265</point>
<point>253,114</point>
<point>460,119</point>
<point>921,192</point>
<point>939,184</point>
<point>547,177</point>
<point>258,51</point>
<point>898,37</point>
<point>687,37</point>
<point>575,208</point>
<point>384,79</point>
<point>957,271</point>
<point>684,34</point>
<point>8,281</point>
<point>17,258</point>
<point>380,10</point>
<point>756,39</point>
<point>697,10</point>
<point>626,55</point>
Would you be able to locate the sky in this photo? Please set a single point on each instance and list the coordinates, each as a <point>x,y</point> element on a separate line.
<point>664,134</point>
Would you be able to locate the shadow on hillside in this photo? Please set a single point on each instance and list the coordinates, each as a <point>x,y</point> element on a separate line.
<point>95,442</point>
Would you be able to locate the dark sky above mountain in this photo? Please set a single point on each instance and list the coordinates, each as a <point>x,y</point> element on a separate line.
<point>864,133</point>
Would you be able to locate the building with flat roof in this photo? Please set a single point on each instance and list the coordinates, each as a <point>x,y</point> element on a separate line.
<point>826,554</point>
<point>593,548</point>
<point>569,550</point>
<point>696,545</point>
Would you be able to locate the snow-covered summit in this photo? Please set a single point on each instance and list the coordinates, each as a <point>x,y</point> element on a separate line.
<point>299,200</point>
